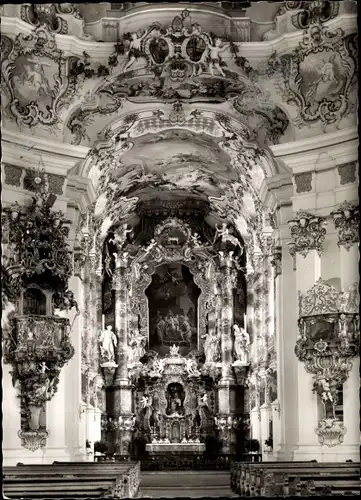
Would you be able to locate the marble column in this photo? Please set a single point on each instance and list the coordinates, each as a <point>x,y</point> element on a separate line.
<point>122,401</point>
<point>348,238</point>
<point>227,383</point>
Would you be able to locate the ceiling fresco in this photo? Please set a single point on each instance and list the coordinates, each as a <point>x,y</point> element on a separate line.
<point>170,110</point>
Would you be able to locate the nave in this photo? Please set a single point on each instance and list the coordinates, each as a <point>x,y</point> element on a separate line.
<point>127,480</point>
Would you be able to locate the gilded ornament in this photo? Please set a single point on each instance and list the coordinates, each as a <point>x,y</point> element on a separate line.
<point>307,233</point>
<point>347,219</point>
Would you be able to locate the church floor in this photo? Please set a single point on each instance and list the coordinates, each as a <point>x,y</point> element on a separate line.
<point>191,484</point>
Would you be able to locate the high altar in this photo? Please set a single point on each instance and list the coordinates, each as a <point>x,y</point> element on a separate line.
<point>175,299</point>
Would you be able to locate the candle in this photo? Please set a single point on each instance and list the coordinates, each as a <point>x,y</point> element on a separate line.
<point>103,321</point>
<point>87,219</point>
<point>245,322</point>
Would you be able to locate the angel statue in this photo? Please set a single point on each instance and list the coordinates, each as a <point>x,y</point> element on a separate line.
<point>225,235</point>
<point>135,46</point>
<point>191,368</point>
<point>214,58</point>
<point>241,343</point>
<point>121,236</point>
<point>326,391</point>
<point>157,368</point>
<point>108,340</point>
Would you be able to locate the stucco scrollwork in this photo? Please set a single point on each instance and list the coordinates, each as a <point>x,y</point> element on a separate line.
<point>35,74</point>
<point>347,219</point>
<point>307,233</point>
<point>319,76</point>
<point>329,339</point>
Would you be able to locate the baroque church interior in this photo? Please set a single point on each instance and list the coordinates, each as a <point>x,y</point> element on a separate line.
<point>180,249</point>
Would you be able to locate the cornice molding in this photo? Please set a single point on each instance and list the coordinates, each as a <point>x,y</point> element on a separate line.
<point>24,151</point>
<point>322,152</point>
<point>256,51</point>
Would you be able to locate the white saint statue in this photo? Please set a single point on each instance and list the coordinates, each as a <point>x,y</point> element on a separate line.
<point>108,340</point>
<point>241,344</point>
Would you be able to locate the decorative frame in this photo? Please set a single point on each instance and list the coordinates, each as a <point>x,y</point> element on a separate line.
<point>40,43</point>
<point>317,39</point>
<point>196,258</point>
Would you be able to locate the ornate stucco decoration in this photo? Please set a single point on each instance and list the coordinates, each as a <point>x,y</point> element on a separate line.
<point>319,76</point>
<point>318,11</point>
<point>347,173</point>
<point>276,260</point>
<point>307,233</point>
<point>347,219</point>
<point>44,14</point>
<point>37,342</point>
<point>35,78</point>
<point>329,339</point>
<point>173,241</point>
<point>236,200</point>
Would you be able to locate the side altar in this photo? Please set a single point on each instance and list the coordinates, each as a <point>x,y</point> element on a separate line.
<point>174,353</point>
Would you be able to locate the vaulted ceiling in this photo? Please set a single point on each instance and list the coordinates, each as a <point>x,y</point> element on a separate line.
<point>169,113</point>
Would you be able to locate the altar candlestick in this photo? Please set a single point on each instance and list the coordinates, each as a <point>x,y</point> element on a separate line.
<point>103,321</point>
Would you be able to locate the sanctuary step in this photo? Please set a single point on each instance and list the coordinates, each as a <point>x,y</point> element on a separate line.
<point>191,484</point>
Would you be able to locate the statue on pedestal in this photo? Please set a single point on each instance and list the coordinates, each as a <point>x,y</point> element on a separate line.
<point>136,348</point>
<point>211,348</point>
<point>108,341</point>
<point>241,343</point>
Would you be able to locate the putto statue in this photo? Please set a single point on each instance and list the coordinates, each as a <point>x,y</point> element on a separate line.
<point>191,368</point>
<point>241,343</point>
<point>108,340</point>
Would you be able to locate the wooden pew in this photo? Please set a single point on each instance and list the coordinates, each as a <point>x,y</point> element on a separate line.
<point>124,477</point>
<point>273,478</point>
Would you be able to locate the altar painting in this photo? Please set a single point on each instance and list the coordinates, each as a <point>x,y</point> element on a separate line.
<point>173,305</point>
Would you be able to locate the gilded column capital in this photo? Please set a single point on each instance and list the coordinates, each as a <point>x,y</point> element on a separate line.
<point>346,220</point>
<point>307,233</point>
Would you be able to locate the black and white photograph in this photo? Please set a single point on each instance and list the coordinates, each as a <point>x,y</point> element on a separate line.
<point>180,249</point>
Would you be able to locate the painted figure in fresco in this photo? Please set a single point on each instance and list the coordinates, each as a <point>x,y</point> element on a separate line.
<point>36,78</point>
<point>160,328</point>
<point>135,49</point>
<point>185,328</point>
<point>108,341</point>
<point>241,343</point>
<point>214,58</point>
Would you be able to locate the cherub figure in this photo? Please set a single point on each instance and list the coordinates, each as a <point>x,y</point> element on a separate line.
<point>214,59</point>
<point>191,368</point>
<point>151,245</point>
<point>195,239</point>
<point>135,49</point>
<point>121,236</point>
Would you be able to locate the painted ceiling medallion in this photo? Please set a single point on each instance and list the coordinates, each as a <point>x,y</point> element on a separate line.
<point>319,76</point>
<point>35,78</point>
